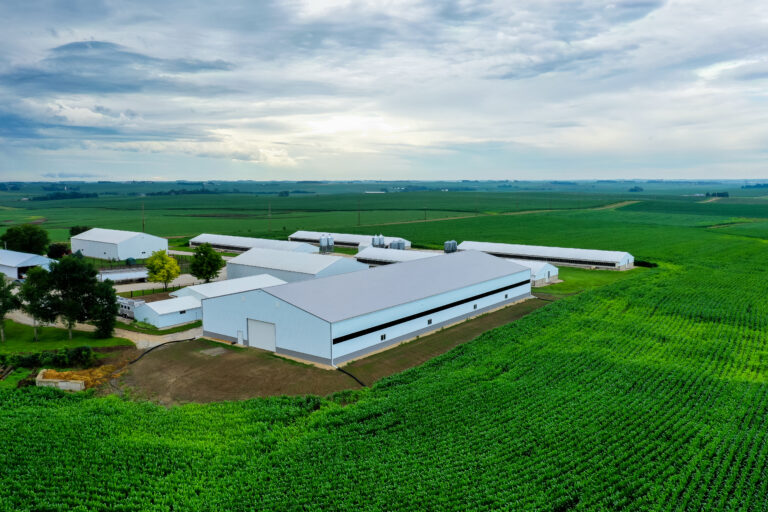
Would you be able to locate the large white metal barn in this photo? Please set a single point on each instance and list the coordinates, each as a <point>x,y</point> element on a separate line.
<point>113,244</point>
<point>344,239</point>
<point>227,287</point>
<point>16,264</point>
<point>244,243</point>
<point>343,317</point>
<point>591,258</point>
<point>375,256</point>
<point>289,266</point>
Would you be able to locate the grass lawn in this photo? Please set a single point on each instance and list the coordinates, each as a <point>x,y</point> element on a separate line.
<point>152,330</point>
<point>576,280</point>
<point>12,380</point>
<point>19,338</point>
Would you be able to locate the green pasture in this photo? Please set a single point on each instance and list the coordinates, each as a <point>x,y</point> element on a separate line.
<point>20,338</point>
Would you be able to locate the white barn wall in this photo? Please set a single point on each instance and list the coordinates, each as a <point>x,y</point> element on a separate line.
<point>161,321</point>
<point>406,330</point>
<point>141,246</point>
<point>93,249</point>
<point>297,332</point>
<point>11,272</point>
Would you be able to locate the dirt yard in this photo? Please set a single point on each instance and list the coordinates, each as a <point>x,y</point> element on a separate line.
<point>207,371</point>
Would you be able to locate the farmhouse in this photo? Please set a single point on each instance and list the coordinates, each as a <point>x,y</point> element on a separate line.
<point>375,256</point>
<point>290,266</point>
<point>229,286</point>
<point>339,318</point>
<point>589,258</point>
<point>344,239</point>
<point>542,273</point>
<point>244,243</point>
<point>16,264</point>
<point>168,313</point>
<point>113,244</point>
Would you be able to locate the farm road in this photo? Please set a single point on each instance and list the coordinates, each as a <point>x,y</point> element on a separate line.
<point>141,341</point>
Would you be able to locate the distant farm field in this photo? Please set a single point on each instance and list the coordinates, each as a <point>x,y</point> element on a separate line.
<point>646,391</point>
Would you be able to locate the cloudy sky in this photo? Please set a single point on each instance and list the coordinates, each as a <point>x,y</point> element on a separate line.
<point>383,89</point>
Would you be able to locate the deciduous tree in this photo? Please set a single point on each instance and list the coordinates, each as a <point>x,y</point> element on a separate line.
<point>73,285</point>
<point>37,299</point>
<point>161,268</point>
<point>206,263</point>
<point>25,238</point>
<point>104,309</point>
<point>8,302</point>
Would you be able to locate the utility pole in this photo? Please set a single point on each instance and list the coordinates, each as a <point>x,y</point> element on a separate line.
<point>143,222</point>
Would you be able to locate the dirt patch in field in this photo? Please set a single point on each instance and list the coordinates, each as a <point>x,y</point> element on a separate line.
<point>189,372</point>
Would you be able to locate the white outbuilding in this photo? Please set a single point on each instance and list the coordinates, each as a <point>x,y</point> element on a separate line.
<point>344,317</point>
<point>243,243</point>
<point>16,264</point>
<point>375,256</point>
<point>290,266</point>
<point>589,258</point>
<point>345,239</point>
<point>227,287</point>
<point>542,273</point>
<point>169,313</point>
<point>113,244</point>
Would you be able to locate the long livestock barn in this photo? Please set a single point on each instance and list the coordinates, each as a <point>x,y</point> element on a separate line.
<point>244,243</point>
<point>289,266</point>
<point>345,239</point>
<point>375,256</point>
<point>113,244</point>
<point>590,258</point>
<point>343,317</point>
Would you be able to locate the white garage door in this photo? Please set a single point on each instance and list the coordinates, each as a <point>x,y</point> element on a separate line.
<point>261,335</point>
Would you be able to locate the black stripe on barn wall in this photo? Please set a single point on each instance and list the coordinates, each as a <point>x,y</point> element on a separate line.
<point>426,313</point>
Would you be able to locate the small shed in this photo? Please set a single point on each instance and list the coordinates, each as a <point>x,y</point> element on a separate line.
<point>542,273</point>
<point>169,313</point>
<point>290,266</point>
<point>16,264</point>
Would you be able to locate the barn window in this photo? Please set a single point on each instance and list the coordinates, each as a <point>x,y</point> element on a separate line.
<point>383,337</point>
<point>474,307</point>
<point>429,322</point>
<point>506,295</point>
<point>182,311</point>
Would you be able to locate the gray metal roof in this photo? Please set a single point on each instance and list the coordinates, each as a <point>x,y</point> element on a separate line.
<point>544,252</point>
<point>229,286</point>
<point>345,296</point>
<point>22,259</point>
<point>382,255</point>
<point>344,238</point>
<point>301,262</point>
<point>164,307</point>
<point>249,242</point>
<point>109,236</point>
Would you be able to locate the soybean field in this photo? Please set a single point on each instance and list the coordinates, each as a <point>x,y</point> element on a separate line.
<point>648,393</point>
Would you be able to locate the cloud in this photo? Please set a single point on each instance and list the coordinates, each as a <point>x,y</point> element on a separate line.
<point>69,175</point>
<point>407,87</point>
